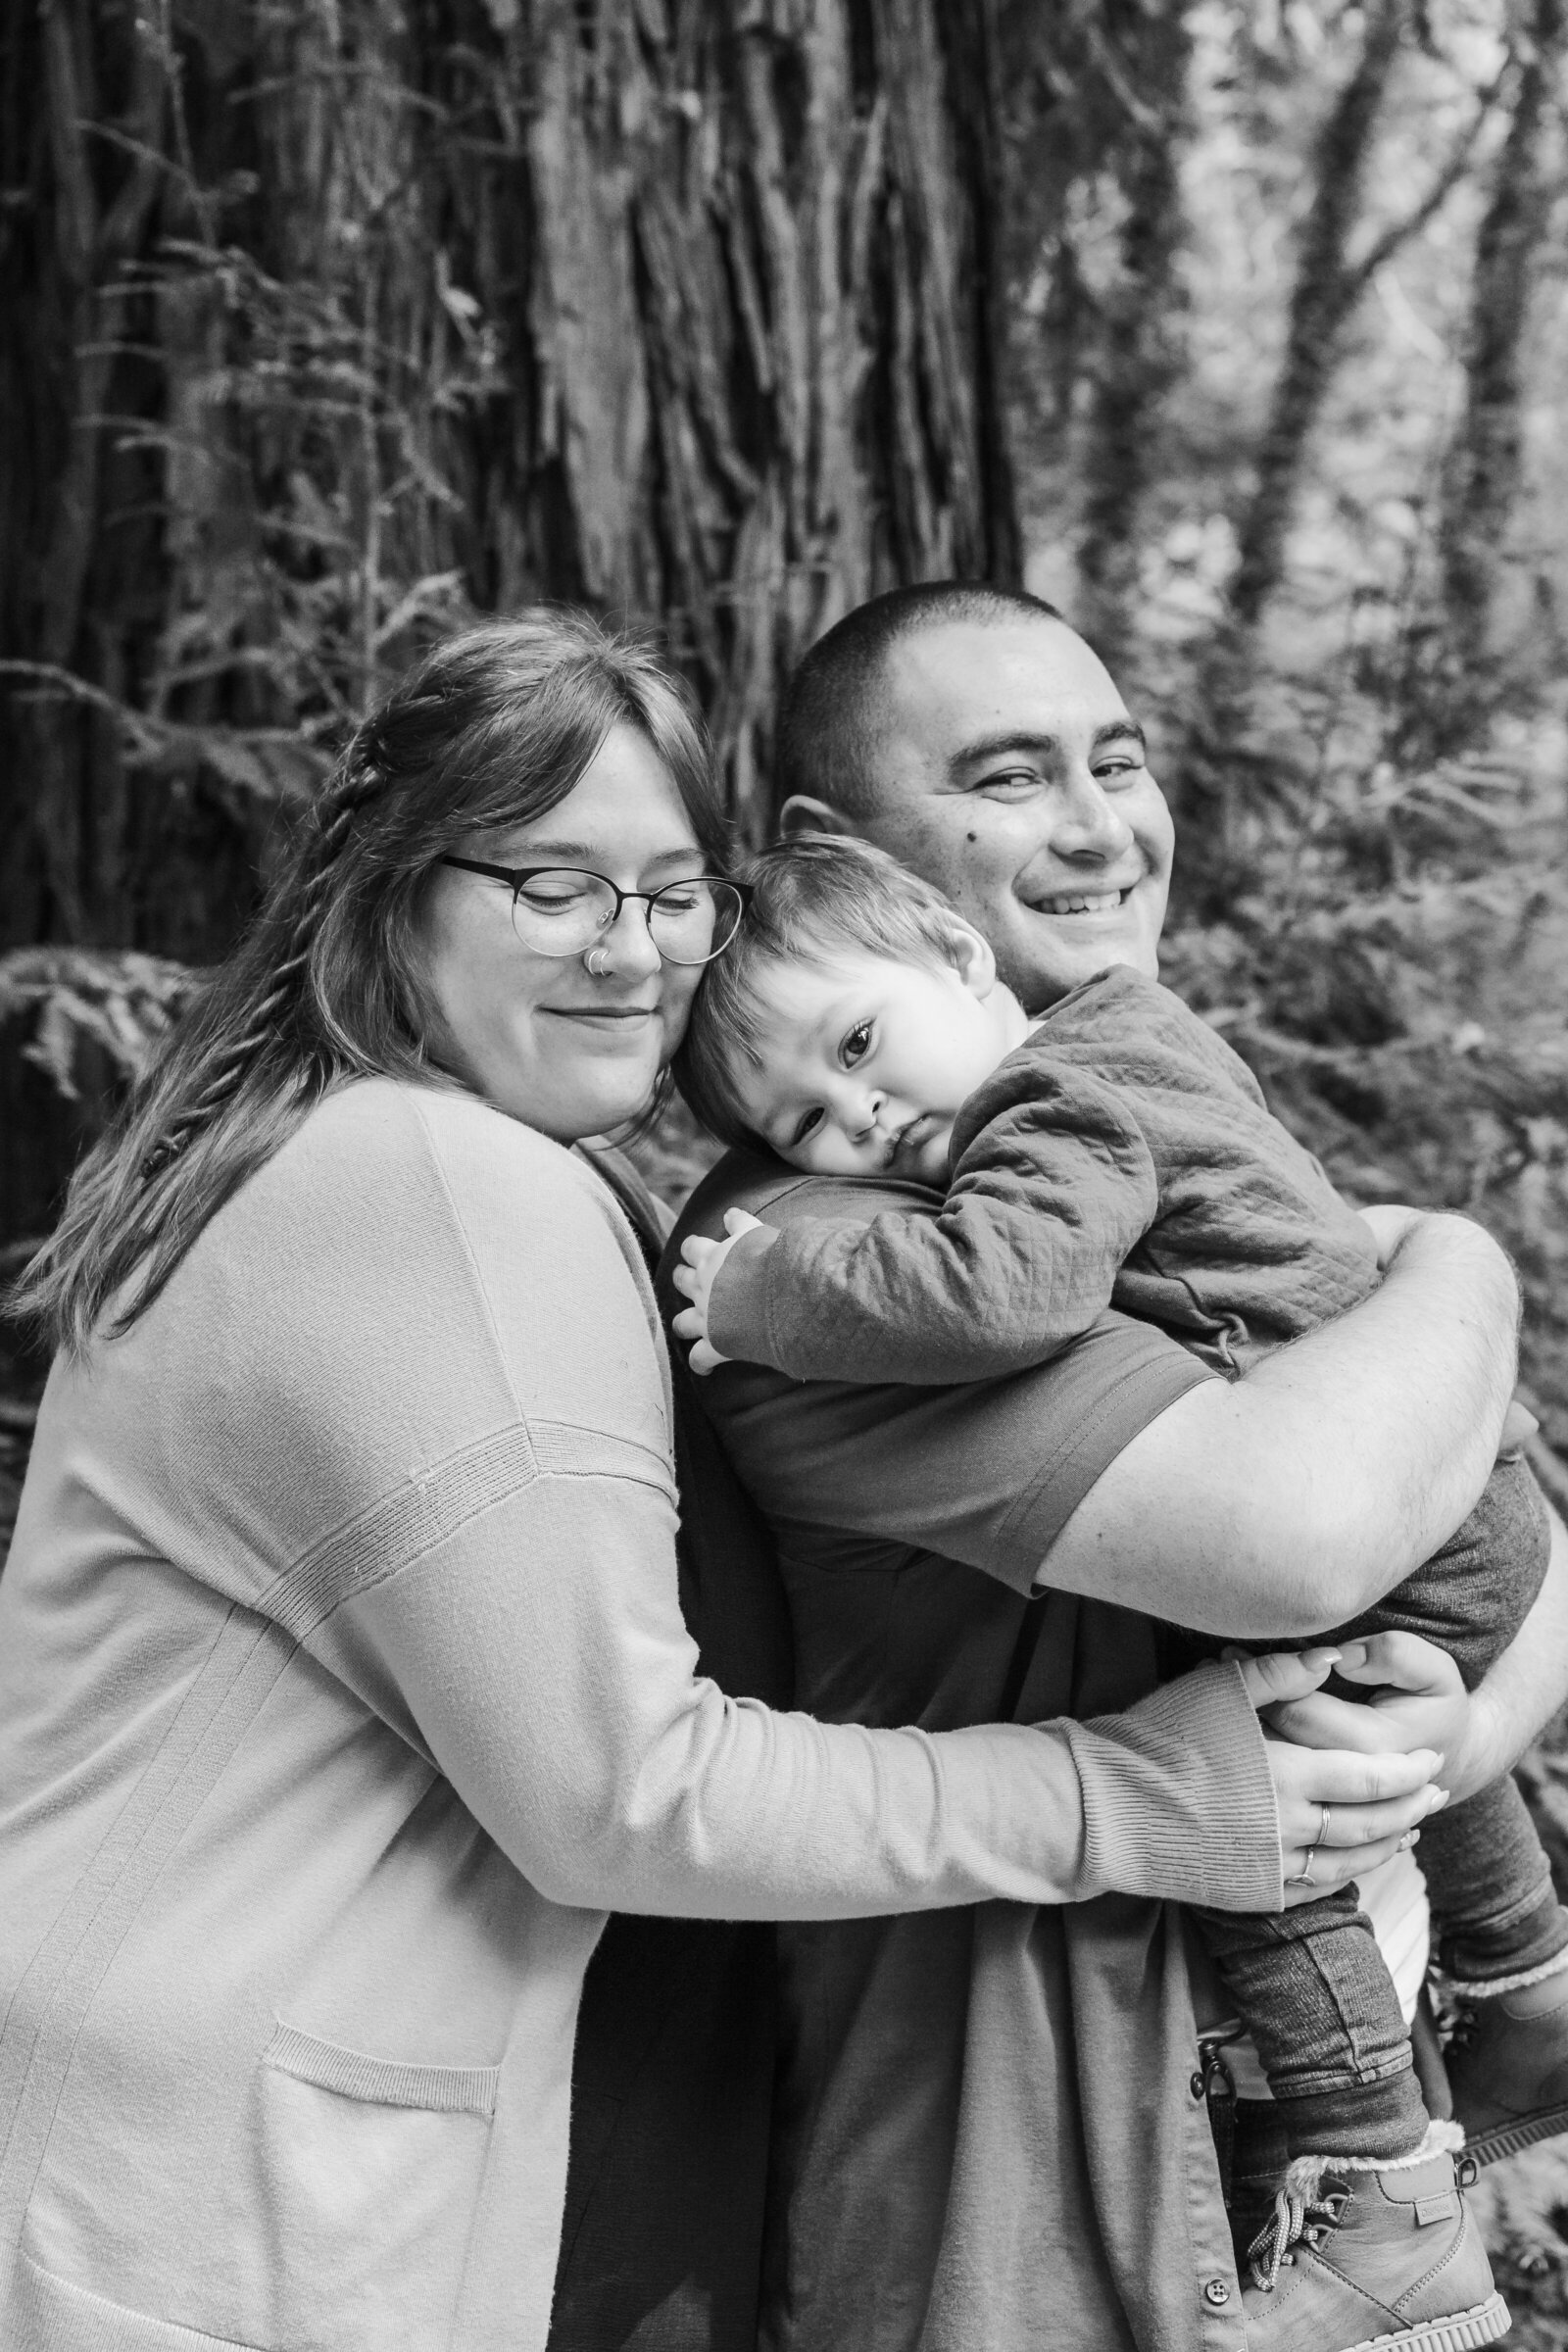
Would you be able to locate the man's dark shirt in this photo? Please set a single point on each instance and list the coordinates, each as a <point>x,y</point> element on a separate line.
<point>985,2132</point>
<point>672,2076</point>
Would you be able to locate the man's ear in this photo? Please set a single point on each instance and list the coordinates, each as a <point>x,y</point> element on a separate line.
<point>972,957</point>
<point>801,814</point>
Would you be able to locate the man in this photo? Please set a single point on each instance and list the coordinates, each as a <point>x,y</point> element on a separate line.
<point>990,2130</point>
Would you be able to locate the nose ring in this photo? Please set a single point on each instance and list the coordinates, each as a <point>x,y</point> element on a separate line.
<point>597,962</point>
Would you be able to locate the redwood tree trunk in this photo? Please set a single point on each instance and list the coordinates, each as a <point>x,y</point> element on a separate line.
<point>763,312</point>
<point>329,324</point>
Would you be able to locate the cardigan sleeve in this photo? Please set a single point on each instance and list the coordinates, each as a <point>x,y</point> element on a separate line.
<point>429,1439</point>
<point>513,1606</point>
<point>540,1651</point>
<point>1053,1185</point>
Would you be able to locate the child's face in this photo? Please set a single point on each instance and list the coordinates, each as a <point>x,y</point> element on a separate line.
<point>865,1061</point>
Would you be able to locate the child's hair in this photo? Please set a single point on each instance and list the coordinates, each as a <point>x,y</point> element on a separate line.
<point>810,896</point>
<point>489,730</point>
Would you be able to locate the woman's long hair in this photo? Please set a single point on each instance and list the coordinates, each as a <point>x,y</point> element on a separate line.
<point>491,729</point>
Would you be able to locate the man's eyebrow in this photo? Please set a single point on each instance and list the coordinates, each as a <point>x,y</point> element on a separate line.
<point>998,747</point>
<point>1036,744</point>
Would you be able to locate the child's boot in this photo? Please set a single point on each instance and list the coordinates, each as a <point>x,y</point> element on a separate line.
<point>1367,2257</point>
<point>1509,2061</point>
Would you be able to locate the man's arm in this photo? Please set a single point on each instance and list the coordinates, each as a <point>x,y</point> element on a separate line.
<point>1122,1469</point>
<point>1523,1690</point>
<point>1419,1701</point>
<point>1298,1497</point>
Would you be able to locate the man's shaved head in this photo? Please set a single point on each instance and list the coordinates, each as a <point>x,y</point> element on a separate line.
<point>971,733</point>
<point>830,719</point>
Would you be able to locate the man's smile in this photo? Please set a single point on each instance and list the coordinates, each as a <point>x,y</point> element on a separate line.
<point>1081,901</point>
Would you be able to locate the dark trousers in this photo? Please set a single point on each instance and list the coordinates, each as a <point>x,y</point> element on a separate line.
<point>1309,1983</point>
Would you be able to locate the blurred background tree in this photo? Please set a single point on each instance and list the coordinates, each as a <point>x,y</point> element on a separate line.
<point>1234,327</point>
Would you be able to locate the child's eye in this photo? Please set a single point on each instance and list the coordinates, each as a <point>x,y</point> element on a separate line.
<point>856,1044</point>
<point>810,1123</point>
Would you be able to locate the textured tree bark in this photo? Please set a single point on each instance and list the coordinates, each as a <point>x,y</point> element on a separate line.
<point>62,798</point>
<point>764,321</point>
<point>1483,479</point>
<point>331,322</point>
<point>325,325</point>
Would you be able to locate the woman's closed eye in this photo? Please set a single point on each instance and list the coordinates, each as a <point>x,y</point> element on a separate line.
<point>856,1044</point>
<point>549,893</point>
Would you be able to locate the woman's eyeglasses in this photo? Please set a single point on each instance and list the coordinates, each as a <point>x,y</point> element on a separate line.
<point>561,909</point>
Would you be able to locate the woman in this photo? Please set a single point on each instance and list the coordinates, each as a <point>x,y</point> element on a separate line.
<point>345,1685</point>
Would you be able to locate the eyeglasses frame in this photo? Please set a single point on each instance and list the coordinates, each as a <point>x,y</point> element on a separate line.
<point>516,877</point>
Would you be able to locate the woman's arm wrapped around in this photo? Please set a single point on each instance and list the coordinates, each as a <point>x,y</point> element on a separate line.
<point>515,1607</point>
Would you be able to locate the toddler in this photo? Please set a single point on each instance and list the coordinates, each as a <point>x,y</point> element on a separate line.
<point>1116,1150</point>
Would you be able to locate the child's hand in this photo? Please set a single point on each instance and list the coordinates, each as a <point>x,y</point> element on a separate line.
<point>1519,1427</point>
<point>696,1278</point>
<point>1390,1223</point>
<point>1277,1678</point>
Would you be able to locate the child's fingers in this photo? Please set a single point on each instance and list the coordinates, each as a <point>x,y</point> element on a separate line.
<point>1519,1425</point>
<point>705,1359</point>
<point>1390,1222</point>
<point>1285,1674</point>
<point>738,1221</point>
<point>1319,1721</point>
<point>696,1249</point>
<point>689,1324</point>
<point>1404,1660</point>
<point>686,1281</point>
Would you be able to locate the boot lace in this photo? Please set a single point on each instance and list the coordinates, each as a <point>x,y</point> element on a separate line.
<point>1296,2221</point>
<point>1465,2017</point>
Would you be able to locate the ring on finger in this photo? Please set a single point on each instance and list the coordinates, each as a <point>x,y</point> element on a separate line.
<point>1322,1837</point>
<point>1303,1877</point>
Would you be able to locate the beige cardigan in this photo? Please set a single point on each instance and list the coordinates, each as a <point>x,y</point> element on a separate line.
<point>343,1686</point>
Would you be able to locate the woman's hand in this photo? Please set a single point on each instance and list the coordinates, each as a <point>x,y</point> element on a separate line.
<point>695,1280</point>
<point>1342,1810</point>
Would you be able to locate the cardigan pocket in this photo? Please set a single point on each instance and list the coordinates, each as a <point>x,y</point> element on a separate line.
<point>367,2172</point>
<point>382,2082</point>
<point>45,2310</point>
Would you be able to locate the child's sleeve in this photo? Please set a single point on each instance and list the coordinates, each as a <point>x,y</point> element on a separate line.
<point>1053,1185</point>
